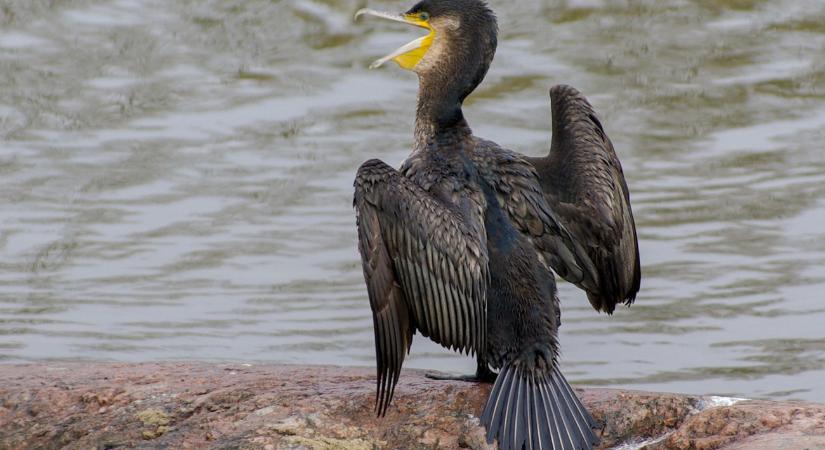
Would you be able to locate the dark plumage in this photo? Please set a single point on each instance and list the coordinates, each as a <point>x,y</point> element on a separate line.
<point>583,182</point>
<point>458,244</point>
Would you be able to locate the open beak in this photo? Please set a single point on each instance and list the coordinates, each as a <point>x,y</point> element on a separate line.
<point>408,55</point>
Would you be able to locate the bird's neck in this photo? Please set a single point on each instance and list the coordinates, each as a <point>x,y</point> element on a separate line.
<point>457,65</point>
<point>439,119</point>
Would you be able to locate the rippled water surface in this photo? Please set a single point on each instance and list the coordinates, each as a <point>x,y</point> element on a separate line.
<point>176,179</point>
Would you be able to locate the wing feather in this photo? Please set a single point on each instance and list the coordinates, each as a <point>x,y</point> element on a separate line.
<point>516,184</point>
<point>583,182</point>
<point>425,266</point>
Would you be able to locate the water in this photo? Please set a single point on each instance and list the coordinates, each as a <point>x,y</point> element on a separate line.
<point>177,180</point>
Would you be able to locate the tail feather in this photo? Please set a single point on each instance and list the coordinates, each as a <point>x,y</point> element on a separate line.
<point>536,412</point>
<point>583,419</point>
<point>510,411</point>
<point>568,429</point>
<point>493,410</point>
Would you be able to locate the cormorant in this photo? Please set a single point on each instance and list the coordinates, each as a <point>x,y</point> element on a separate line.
<point>460,243</point>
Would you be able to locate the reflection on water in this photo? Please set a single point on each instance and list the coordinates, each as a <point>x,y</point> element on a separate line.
<point>177,180</point>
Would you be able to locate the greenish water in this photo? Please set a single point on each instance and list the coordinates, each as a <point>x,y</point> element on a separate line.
<point>176,179</point>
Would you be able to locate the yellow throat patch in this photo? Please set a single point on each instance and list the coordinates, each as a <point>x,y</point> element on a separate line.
<point>411,58</point>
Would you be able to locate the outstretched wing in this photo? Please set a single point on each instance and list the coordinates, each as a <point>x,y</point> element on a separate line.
<point>425,267</point>
<point>518,191</point>
<point>583,182</point>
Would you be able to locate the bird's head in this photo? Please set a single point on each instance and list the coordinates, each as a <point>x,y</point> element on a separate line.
<point>458,47</point>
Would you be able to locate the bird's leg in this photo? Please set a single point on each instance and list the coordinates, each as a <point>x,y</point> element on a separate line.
<point>483,374</point>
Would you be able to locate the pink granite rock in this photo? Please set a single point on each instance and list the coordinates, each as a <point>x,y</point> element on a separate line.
<point>199,405</point>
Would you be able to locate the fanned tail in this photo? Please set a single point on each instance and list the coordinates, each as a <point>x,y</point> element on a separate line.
<point>531,411</point>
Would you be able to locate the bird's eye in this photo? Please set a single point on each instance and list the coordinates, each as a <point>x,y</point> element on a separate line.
<point>424,17</point>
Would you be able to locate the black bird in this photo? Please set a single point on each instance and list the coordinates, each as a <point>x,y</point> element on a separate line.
<point>458,244</point>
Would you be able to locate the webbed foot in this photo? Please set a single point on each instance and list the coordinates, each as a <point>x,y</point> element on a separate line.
<point>444,376</point>
<point>483,375</point>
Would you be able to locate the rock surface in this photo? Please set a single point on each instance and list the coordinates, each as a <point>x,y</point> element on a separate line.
<point>198,405</point>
